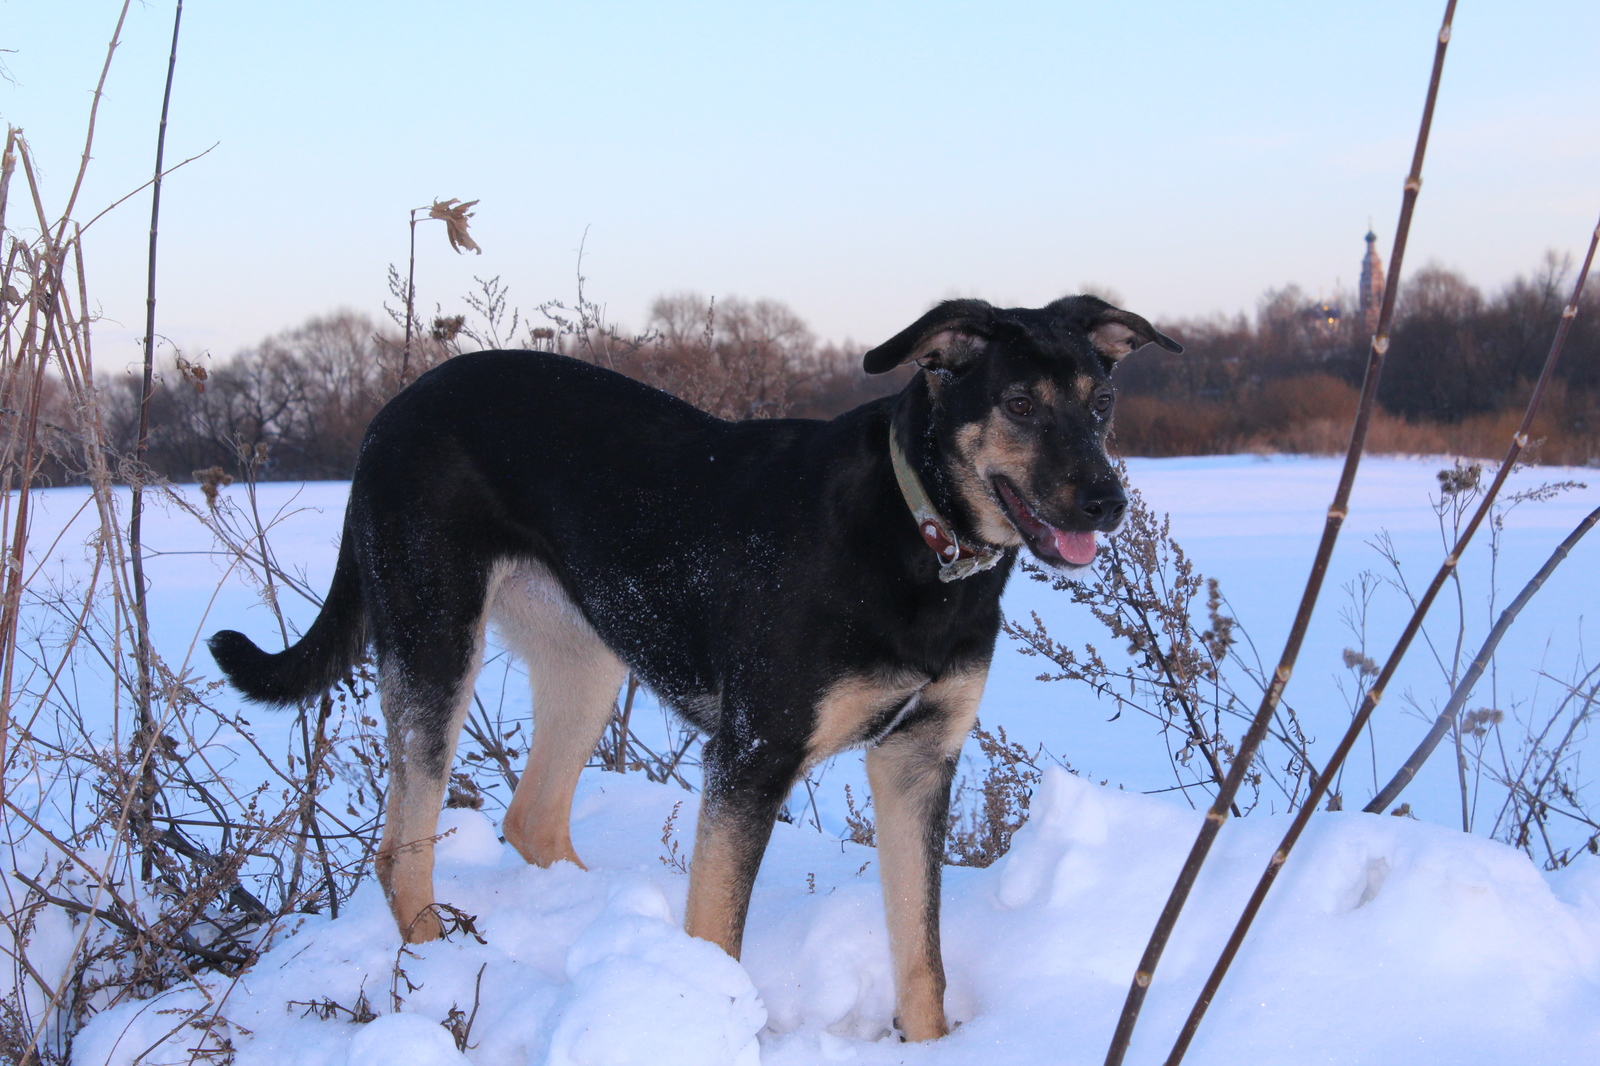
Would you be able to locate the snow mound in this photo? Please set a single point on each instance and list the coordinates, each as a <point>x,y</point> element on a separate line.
<point>1386,940</point>
<point>643,992</point>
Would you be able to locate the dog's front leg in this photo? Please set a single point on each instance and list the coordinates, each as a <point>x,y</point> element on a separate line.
<point>745,786</point>
<point>910,772</point>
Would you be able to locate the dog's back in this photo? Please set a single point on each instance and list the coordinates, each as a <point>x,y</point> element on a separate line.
<point>674,532</point>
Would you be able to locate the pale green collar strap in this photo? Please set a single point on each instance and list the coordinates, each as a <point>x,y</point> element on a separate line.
<point>956,560</point>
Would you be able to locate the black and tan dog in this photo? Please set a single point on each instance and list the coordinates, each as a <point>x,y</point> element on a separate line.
<point>791,587</point>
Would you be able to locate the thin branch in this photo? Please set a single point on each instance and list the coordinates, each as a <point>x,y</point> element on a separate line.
<point>1441,725</point>
<point>1218,814</point>
<point>94,110</point>
<point>77,908</point>
<point>104,211</point>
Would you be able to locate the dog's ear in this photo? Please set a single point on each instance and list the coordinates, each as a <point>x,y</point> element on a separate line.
<point>949,337</point>
<point>1112,331</point>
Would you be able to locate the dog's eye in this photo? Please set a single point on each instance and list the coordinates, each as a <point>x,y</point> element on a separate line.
<point>1020,406</point>
<point>1102,401</point>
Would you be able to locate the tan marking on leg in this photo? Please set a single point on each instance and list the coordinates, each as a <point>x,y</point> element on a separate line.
<point>575,678</point>
<point>404,863</point>
<point>416,793</point>
<point>910,776</point>
<point>717,896</point>
<point>406,855</point>
<point>960,694</point>
<point>849,707</point>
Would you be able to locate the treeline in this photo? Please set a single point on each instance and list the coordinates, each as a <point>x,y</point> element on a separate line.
<point>295,406</point>
<point>1460,366</point>
<point>1458,374</point>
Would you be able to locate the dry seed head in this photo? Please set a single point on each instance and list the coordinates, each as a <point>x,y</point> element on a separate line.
<point>1354,660</point>
<point>211,478</point>
<point>464,793</point>
<point>445,327</point>
<point>1460,478</point>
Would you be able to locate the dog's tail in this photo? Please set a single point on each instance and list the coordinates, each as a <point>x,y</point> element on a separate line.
<point>330,647</point>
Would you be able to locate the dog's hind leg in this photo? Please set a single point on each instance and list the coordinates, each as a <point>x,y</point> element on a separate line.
<point>575,678</point>
<point>910,772</point>
<point>429,640</point>
<point>424,720</point>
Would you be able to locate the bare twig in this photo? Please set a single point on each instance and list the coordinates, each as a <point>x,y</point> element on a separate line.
<point>619,751</point>
<point>411,298</point>
<point>94,111</point>
<point>75,907</point>
<point>130,194</point>
<point>1218,814</point>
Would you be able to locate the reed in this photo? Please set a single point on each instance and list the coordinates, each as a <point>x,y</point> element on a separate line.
<point>1219,811</point>
<point>141,613</point>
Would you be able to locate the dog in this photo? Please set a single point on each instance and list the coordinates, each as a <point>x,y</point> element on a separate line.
<point>791,587</point>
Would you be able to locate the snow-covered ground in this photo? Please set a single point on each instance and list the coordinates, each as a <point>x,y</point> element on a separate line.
<point>1386,939</point>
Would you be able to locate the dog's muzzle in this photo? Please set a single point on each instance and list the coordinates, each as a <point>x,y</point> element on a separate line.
<point>1101,508</point>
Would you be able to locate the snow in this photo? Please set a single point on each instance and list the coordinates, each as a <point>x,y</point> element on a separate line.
<point>1386,939</point>
<point>407,1038</point>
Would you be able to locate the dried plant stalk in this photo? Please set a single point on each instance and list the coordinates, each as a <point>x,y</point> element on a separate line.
<point>88,792</point>
<point>455,215</point>
<point>1218,814</point>
<point>53,333</point>
<point>141,614</point>
<point>1375,693</point>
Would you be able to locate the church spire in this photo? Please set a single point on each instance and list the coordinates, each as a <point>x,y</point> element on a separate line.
<point>1371,291</point>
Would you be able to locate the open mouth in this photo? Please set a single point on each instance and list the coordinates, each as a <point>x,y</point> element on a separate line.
<point>1054,546</point>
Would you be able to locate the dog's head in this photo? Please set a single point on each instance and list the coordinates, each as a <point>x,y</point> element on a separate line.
<point>1014,406</point>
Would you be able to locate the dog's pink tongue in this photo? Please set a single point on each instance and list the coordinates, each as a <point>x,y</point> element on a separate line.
<point>1075,548</point>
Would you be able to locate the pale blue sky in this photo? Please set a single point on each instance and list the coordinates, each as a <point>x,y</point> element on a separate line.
<point>857,160</point>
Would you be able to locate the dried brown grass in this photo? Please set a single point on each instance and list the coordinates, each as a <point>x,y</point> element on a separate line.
<point>1311,415</point>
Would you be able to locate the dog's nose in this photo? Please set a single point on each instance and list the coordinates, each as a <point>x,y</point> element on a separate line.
<point>1103,505</point>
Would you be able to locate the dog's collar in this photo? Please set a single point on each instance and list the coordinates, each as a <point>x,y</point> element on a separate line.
<point>956,560</point>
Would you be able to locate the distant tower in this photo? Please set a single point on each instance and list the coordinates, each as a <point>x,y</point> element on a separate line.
<point>1371,291</point>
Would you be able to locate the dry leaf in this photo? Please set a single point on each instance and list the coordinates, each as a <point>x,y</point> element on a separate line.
<point>454,215</point>
<point>193,373</point>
